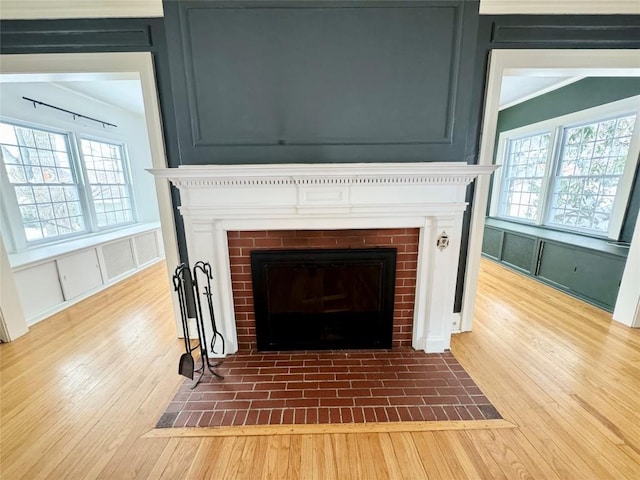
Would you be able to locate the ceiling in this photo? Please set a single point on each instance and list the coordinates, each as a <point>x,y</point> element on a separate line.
<point>122,90</point>
<point>125,94</point>
<point>517,89</point>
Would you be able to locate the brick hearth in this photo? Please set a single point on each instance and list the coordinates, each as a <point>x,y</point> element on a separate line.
<point>354,386</point>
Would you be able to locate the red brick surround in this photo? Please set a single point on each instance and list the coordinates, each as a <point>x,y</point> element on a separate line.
<point>404,239</point>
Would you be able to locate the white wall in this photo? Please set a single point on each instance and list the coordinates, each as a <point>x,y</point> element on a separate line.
<point>131,130</point>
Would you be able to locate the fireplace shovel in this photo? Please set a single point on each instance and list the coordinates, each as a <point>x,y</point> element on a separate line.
<point>186,364</point>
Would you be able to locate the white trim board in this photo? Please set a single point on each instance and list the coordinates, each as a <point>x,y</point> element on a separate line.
<point>34,9</point>
<point>522,62</point>
<point>14,322</point>
<point>575,7</point>
<point>627,309</point>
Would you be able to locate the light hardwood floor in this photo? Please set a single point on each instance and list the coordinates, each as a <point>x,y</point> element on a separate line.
<point>82,388</point>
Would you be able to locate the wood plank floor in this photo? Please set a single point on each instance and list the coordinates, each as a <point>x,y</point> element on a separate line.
<point>81,390</point>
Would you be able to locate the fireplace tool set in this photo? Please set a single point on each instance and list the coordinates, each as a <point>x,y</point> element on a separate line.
<point>186,284</point>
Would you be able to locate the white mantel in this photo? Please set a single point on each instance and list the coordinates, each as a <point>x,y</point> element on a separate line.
<point>430,196</point>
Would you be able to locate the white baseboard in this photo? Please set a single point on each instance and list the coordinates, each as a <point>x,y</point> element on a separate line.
<point>436,345</point>
<point>456,319</point>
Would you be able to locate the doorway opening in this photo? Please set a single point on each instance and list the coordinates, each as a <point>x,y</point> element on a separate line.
<point>95,76</point>
<point>531,65</point>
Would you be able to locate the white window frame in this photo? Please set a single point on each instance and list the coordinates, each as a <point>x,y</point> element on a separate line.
<point>555,127</point>
<point>11,212</point>
<point>499,179</point>
<point>87,186</point>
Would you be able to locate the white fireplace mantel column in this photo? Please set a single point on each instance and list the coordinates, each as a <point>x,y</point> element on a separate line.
<point>430,196</point>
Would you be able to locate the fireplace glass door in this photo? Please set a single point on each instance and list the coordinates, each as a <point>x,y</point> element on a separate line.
<point>323,299</point>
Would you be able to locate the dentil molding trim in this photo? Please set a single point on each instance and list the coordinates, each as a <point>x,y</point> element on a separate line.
<point>444,173</point>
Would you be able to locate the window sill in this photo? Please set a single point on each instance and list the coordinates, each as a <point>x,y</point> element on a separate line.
<point>581,241</point>
<point>43,253</point>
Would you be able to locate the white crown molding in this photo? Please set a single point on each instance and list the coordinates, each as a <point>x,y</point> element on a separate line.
<point>555,7</point>
<point>41,9</point>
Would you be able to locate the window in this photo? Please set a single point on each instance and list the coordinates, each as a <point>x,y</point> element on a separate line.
<point>57,193</point>
<point>591,163</point>
<point>573,172</point>
<point>106,179</point>
<point>526,162</point>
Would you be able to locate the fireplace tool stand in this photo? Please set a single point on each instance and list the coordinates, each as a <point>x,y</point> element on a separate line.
<point>185,281</point>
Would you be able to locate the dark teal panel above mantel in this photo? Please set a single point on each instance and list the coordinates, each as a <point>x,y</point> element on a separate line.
<point>284,82</point>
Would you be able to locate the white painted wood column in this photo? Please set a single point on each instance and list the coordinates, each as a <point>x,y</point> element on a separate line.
<point>627,310</point>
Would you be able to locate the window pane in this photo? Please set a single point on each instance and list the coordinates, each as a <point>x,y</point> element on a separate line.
<point>592,160</point>
<point>110,192</point>
<point>524,170</point>
<point>7,135</point>
<point>38,168</point>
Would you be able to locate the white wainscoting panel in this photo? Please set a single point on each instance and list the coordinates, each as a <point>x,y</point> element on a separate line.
<point>53,282</point>
<point>38,288</point>
<point>118,258</point>
<point>146,248</point>
<point>79,273</point>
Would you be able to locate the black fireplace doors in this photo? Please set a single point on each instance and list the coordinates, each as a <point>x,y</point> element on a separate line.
<point>323,298</point>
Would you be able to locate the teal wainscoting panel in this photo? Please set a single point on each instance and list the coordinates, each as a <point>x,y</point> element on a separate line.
<point>492,243</point>
<point>518,251</point>
<point>594,276</point>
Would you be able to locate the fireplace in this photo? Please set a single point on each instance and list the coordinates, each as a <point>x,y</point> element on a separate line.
<point>323,299</point>
<point>242,244</point>
<point>218,200</point>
